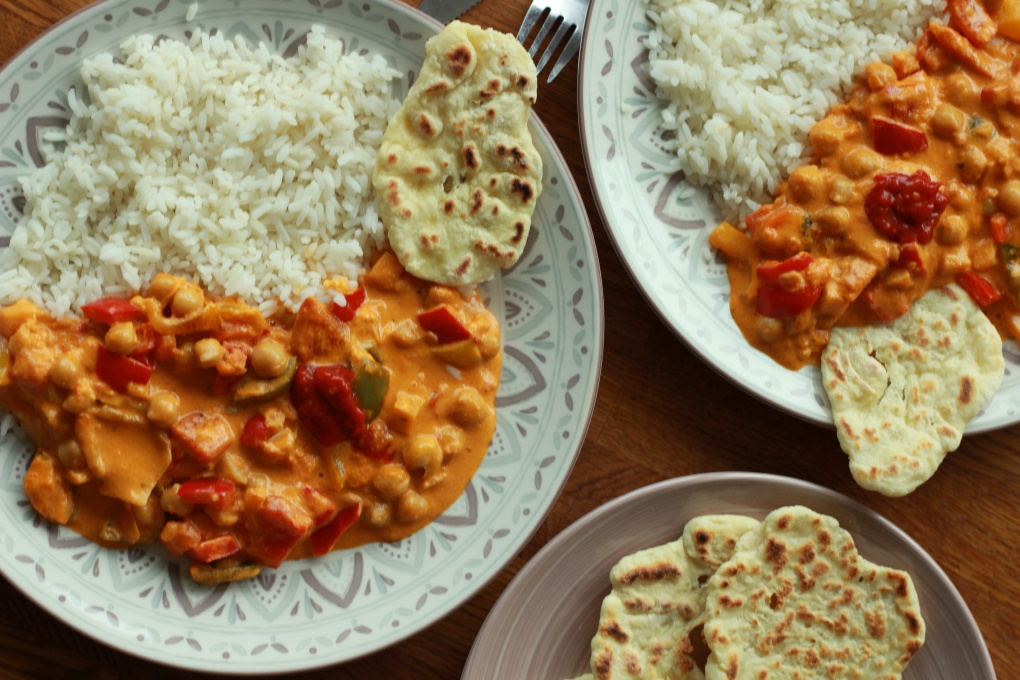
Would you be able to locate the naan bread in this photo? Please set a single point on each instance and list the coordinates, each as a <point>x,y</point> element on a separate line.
<point>902,393</point>
<point>657,599</point>
<point>796,601</point>
<point>458,175</point>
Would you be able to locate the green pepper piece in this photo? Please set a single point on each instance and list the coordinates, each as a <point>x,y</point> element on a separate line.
<point>371,383</point>
<point>253,390</point>
<point>1011,258</point>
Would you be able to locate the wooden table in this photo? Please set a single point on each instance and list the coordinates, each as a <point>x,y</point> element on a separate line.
<point>660,413</point>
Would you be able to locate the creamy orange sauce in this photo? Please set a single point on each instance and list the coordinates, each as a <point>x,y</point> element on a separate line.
<point>963,99</point>
<point>115,464</point>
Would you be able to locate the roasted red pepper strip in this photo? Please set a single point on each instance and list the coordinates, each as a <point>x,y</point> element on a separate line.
<point>111,310</point>
<point>441,321</point>
<point>207,491</point>
<point>254,431</point>
<point>893,138</point>
<point>774,300</point>
<point>335,383</point>
<point>315,413</point>
<point>215,549</point>
<point>978,287</point>
<point>117,371</point>
<point>323,539</point>
<point>354,300</point>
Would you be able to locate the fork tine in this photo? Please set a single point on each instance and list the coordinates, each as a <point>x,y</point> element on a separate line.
<point>571,49</point>
<point>543,31</point>
<point>530,19</point>
<point>554,42</point>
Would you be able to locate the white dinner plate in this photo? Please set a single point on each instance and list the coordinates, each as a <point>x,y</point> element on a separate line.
<point>660,224</point>
<point>542,624</point>
<point>312,613</point>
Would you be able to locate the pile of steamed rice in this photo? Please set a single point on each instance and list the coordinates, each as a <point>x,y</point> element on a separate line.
<point>744,80</point>
<point>218,161</point>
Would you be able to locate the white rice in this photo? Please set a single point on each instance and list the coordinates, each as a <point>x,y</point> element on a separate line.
<point>746,79</point>
<point>214,160</point>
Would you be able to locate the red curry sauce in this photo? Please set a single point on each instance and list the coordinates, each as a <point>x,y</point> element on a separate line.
<point>242,441</point>
<point>914,183</point>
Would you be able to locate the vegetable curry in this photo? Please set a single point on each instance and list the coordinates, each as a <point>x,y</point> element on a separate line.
<point>914,183</point>
<point>242,441</point>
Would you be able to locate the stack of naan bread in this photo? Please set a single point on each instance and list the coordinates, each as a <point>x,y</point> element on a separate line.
<point>788,597</point>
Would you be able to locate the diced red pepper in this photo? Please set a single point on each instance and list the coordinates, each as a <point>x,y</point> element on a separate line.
<point>335,383</point>
<point>978,287</point>
<point>214,549</point>
<point>111,310</point>
<point>441,321</point>
<point>893,138</point>
<point>280,526</point>
<point>254,431</point>
<point>117,371</point>
<point>213,491</point>
<point>180,536</point>
<point>354,300</point>
<point>773,299</point>
<point>910,258</point>
<point>315,413</point>
<point>376,441</point>
<point>319,505</point>
<point>323,539</point>
<point>1001,231</point>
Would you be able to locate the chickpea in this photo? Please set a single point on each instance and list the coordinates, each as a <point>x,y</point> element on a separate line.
<point>948,121</point>
<point>70,455</point>
<point>952,230</point>
<point>824,138</point>
<point>163,286</point>
<point>188,300</point>
<point>411,507</point>
<point>379,514</point>
<point>861,162</point>
<point>879,75</point>
<point>164,408</point>
<point>1009,198</point>
<point>209,352</point>
<point>833,220</point>
<point>122,339</point>
<point>962,91</point>
<point>269,358</point>
<point>805,182</point>
<point>469,407</point>
<point>424,453</point>
<point>391,481</point>
<point>841,190</point>
<point>974,163</point>
<point>769,330</point>
<point>451,440</point>
<point>65,370</point>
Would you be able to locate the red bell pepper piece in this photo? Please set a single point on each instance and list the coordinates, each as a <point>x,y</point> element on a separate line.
<point>214,549</point>
<point>893,138</point>
<point>117,371</point>
<point>254,431</point>
<point>774,300</point>
<point>111,310</point>
<point>354,300</point>
<point>323,539</point>
<point>910,258</point>
<point>280,525</point>
<point>335,383</point>
<point>148,339</point>
<point>441,321</point>
<point>1001,231</point>
<point>978,287</point>
<point>314,412</point>
<point>213,491</point>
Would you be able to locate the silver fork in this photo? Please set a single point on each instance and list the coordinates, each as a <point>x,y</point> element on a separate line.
<point>567,17</point>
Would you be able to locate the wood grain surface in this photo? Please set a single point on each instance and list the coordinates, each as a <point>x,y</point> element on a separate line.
<point>660,413</point>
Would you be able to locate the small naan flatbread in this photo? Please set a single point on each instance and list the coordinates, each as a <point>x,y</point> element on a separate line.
<point>903,392</point>
<point>458,175</point>
<point>796,601</point>
<point>657,599</point>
